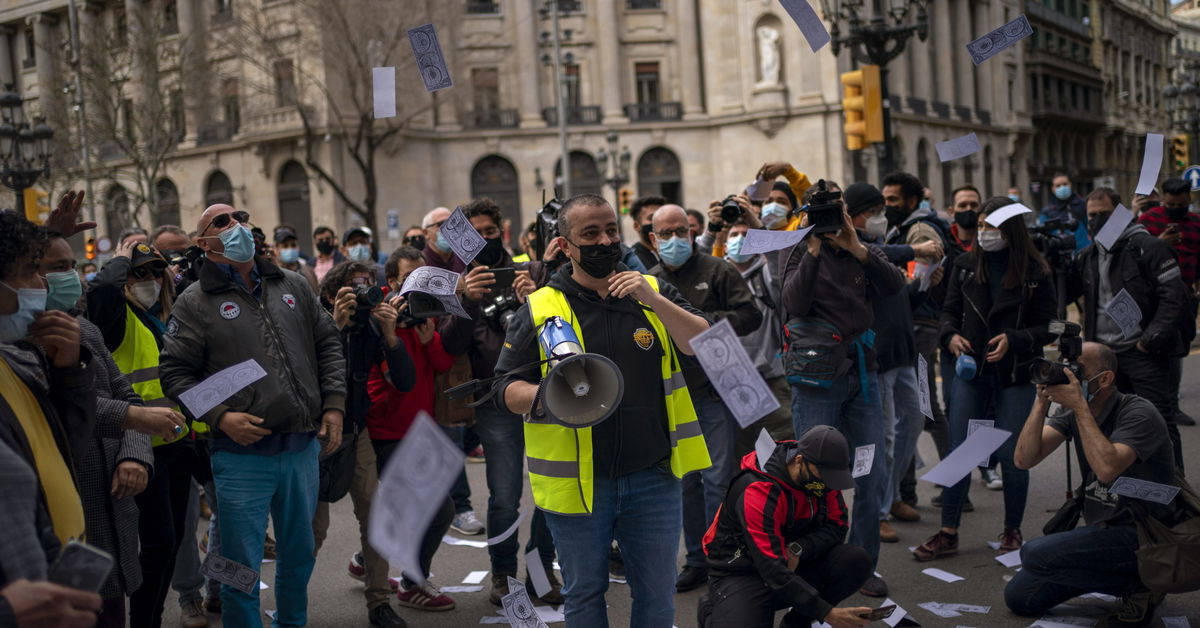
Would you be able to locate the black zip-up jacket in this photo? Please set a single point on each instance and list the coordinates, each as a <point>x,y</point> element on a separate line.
<point>364,347</point>
<point>1146,267</point>
<point>1024,313</point>
<point>762,513</point>
<point>635,436</point>
<point>895,345</point>
<point>479,337</point>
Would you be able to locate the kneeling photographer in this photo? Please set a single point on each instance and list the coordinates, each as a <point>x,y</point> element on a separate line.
<point>368,333</point>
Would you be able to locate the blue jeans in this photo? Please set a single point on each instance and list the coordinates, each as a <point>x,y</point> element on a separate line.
<point>642,512</point>
<point>1061,566</point>
<point>971,400</point>
<point>460,491</point>
<point>903,422</point>
<point>503,436</point>
<point>861,420</point>
<point>249,488</point>
<point>703,491</point>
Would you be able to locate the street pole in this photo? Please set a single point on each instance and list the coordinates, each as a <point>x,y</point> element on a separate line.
<point>80,112</point>
<point>561,90</point>
<point>886,162</point>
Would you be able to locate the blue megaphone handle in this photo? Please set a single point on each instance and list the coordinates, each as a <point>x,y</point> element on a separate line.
<point>556,332</point>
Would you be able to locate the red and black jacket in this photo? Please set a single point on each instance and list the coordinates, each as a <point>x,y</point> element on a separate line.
<point>763,512</point>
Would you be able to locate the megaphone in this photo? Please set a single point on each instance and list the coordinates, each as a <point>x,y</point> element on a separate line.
<point>579,389</point>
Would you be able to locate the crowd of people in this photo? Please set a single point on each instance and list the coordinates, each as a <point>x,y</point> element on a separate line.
<point>96,446</point>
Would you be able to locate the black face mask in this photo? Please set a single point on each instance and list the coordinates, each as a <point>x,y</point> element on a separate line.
<point>491,253</point>
<point>895,214</point>
<point>416,241</point>
<point>325,247</point>
<point>1176,213</point>
<point>599,260</point>
<point>1096,223</point>
<point>966,220</point>
<point>646,230</point>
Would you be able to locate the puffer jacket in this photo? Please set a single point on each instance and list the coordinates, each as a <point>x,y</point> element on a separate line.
<point>216,324</point>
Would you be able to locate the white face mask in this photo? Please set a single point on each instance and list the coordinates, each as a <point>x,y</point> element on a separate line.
<point>146,293</point>
<point>773,215</point>
<point>992,241</point>
<point>877,225</point>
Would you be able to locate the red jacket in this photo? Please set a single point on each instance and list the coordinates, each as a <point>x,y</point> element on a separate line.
<point>392,411</point>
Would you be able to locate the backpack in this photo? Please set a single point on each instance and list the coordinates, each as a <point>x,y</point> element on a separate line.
<point>1168,556</point>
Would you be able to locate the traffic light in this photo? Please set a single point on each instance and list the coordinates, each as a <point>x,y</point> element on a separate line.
<point>625,199</point>
<point>89,248</point>
<point>1179,151</point>
<point>37,205</point>
<point>862,102</point>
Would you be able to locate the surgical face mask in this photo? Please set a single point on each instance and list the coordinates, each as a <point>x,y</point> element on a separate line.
<point>145,293</point>
<point>359,253</point>
<point>65,290</point>
<point>877,225</point>
<point>1015,198</point>
<point>1088,396</point>
<point>491,253</point>
<point>733,248</point>
<point>289,256</point>
<point>773,215</point>
<point>1095,223</point>
<point>966,220</point>
<point>443,244</point>
<point>325,247</point>
<point>90,276</point>
<point>992,241</point>
<point>1062,192</point>
<point>675,252</point>
<point>924,205</point>
<point>598,260</point>
<point>239,244</point>
<point>30,303</point>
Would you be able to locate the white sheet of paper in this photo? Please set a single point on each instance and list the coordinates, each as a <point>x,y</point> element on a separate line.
<point>923,400</point>
<point>966,456</point>
<point>766,240</point>
<point>998,217</point>
<point>220,386</point>
<point>968,608</point>
<point>509,532</point>
<point>764,447</point>
<point>999,39</point>
<point>1058,621</point>
<point>759,189</point>
<point>463,588</point>
<point>411,489</point>
<point>958,147</point>
<point>809,22</point>
<point>475,577</point>
<point>230,572</point>
<point>1101,596</point>
<point>1010,559</point>
<point>383,82</point>
<point>864,459</point>
<point>924,273</point>
<point>732,373</point>
<point>939,610</point>
<point>262,586</point>
<point>1175,622</point>
<point>514,585</point>
<point>1124,311</point>
<point>940,574</point>
<point>973,425</point>
<point>450,540</point>
<point>520,611</point>
<point>1144,489</point>
<point>462,236</point>
<point>897,615</point>
<point>551,615</point>
<point>537,573</point>
<point>1152,158</point>
<point>1113,227</point>
<point>432,280</point>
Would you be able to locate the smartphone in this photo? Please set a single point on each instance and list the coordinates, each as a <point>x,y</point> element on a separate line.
<point>504,279</point>
<point>81,566</point>
<point>883,612</point>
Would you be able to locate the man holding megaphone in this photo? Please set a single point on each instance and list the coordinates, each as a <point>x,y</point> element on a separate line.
<point>609,426</point>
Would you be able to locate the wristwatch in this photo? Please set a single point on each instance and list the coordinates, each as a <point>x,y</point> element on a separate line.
<point>795,548</point>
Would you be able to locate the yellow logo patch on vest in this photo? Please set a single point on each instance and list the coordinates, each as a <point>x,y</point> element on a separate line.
<point>644,338</point>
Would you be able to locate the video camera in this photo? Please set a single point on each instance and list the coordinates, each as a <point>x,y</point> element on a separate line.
<point>547,228</point>
<point>825,212</point>
<point>1070,346</point>
<point>1055,239</point>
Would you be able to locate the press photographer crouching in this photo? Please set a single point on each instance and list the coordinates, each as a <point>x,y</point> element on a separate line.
<point>1118,435</point>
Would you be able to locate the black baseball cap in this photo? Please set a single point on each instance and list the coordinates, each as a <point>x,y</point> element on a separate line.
<point>143,254</point>
<point>283,233</point>
<point>826,449</point>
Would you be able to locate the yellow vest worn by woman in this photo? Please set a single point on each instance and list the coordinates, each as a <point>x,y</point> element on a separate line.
<point>137,357</point>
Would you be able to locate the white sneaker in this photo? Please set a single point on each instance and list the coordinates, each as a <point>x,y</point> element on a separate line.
<point>992,479</point>
<point>467,523</point>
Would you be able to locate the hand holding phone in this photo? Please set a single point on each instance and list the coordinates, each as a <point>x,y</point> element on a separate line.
<point>883,612</point>
<point>81,566</point>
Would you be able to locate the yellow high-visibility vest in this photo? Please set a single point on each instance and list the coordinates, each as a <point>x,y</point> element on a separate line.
<point>137,357</point>
<point>561,467</point>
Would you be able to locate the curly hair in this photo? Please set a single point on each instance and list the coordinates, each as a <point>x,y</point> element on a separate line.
<point>484,206</point>
<point>21,242</point>
<point>339,276</point>
<point>910,186</point>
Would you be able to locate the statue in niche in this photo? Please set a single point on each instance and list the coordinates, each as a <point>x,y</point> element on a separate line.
<point>768,56</point>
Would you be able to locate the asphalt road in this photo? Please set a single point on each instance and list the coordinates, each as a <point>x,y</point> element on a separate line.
<point>335,600</point>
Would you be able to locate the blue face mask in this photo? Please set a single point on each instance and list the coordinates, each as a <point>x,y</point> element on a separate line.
<point>1062,192</point>
<point>733,248</point>
<point>773,215</point>
<point>65,290</point>
<point>360,252</point>
<point>1014,198</point>
<point>289,256</point>
<point>923,205</point>
<point>1085,386</point>
<point>239,244</point>
<point>443,244</point>
<point>90,276</point>
<point>30,303</point>
<point>675,252</point>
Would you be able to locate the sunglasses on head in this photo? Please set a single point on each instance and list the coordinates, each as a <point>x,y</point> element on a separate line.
<point>143,272</point>
<point>222,220</point>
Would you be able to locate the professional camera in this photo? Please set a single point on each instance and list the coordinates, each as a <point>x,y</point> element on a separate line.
<point>730,210</point>
<point>825,212</point>
<point>368,297</point>
<point>184,259</point>
<point>501,308</point>
<point>547,224</point>
<point>1070,346</point>
<point>421,307</point>
<point>1055,239</point>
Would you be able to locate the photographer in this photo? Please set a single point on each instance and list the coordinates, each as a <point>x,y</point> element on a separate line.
<point>996,313</point>
<point>1118,435</point>
<point>1067,209</point>
<point>1145,268</point>
<point>367,327</point>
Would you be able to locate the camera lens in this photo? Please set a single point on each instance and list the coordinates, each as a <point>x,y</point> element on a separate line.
<point>731,211</point>
<point>368,296</point>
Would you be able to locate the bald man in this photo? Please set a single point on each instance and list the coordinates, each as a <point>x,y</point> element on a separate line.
<point>1120,435</point>
<point>267,435</point>
<point>716,288</point>
<point>437,251</point>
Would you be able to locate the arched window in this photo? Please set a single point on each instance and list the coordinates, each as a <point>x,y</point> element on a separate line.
<point>898,161</point>
<point>658,174</point>
<point>923,161</point>
<point>294,209</point>
<point>585,177</point>
<point>496,178</point>
<point>218,189</point>
<point>166,197</point>
<point>116,211</point>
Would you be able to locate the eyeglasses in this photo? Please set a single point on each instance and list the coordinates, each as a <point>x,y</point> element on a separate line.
<point>141,273</point>
<point>221,221</point>
<point>681,232</point>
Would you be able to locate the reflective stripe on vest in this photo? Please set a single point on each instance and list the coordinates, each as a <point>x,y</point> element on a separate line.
<point>137,357</point>
<point>560,461</point>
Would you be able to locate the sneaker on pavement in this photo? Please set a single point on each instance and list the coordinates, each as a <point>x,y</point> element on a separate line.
<point>1182,418</point>
<point>356,568</point>
<point>691,578</point>
<point>269,548</point>
<point>905,512</point>
<point>936,546</point>
<point>1011,540</point>
<point>1136,610</point>
<point>554,597</point>
<point>886,533</point>
<point>476,455</point>
<point>383,616</point>
<point>467,523</point>
<point>500,586</point>
<point>426,598</point>
<point>394,583</point>
<point>874,587</point>
<point>191,615</point>
<point>991,478</point>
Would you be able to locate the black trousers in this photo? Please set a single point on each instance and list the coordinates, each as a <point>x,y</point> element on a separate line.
<point>441,519</point>
<point>745,601</point>
<point>1149,377</point>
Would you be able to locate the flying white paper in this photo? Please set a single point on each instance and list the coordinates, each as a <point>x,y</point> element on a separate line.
<point>764,447</point>
<point>411,489</point>
<point>958,147</point>
<point>766,240</point>
<point>731,372</point>
<point>759,189</point>
<point>509,532</point>
<point>1151,163</point>
<point>991,44</point>
<point>1114,227</point>
<point>220,386</point>
<point>998,217</point>
<point>450,540</point>
<point>428,53</point>
<point>475,577</point>
<point>1125,313</point>
<point>1010,559</point>
<point>944,576</point>
<point>1144,489</point>
<point>230,572</point>
<point>923,388</point>
<point>966,456</point>
<point>519,610</point>
<point>463,238</point>
<point>438,283</point>
<point>864,458</point>
<point>537,573</point>
<point>383,82</point>
<point>973,425</point>
<point>810,24</point>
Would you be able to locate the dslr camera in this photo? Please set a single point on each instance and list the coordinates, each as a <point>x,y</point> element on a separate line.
<point>1055,239</point>
<point>730,210</point>
<point>501,308</point>
<point>1070,346</point>
<point>422,306</point>
<point>825,210</point>
<point>366,298</point>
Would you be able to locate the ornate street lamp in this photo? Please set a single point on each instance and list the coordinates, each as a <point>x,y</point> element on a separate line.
<point>618,174</point>
<point>872,40</point>
<point>24,150</point>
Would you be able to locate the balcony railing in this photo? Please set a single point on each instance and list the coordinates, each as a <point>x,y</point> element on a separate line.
<point>497,119</point>
<point>649,111</point>
<point>482,7</point>
<point>583,114</point>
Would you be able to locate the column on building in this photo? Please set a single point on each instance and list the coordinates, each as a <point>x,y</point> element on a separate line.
<point>987,14</point>
<point>964,67</point>
<point>49,90</point>
<point>686,42</point>
<point>6,58</point>
<point>134,23</point>
<point>917,59</point>
<point>197,92</point>
<point>527,64</point>
<point>943,51</point>
<point>608,40</point>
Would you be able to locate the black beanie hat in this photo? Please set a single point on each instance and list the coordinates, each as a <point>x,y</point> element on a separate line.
<point>783,186</point>
<point>860,197</point>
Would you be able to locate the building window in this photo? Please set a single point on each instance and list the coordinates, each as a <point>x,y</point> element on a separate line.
<point>170,18</point>
<point>178,116</point>
<point>166,203</point>
<point>231,106</point>
<point>646,76</point>
<point>285,83</point>
<point>570,6</point>
<point>571,81</point>
<point>645,4</point>
<point>127,120</point>
<point>585,176</point>
<point>483,7</point>
<point>222,11</point>
<point>659,174</point>
<point>486,89</point>
<point>496,178</point>
<point>30,49</point>
<point>219,189</point>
